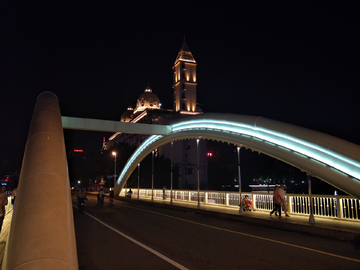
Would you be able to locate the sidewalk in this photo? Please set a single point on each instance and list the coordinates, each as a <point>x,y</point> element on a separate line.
<point>333,228</point>
<point>4,234</point>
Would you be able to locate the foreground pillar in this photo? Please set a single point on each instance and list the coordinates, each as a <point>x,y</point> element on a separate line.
<point>42,232</point>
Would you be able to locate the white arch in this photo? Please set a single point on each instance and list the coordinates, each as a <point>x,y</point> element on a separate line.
<point>331,159</point>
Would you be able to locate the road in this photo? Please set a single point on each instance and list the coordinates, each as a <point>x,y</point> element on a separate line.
<point>133,235</point>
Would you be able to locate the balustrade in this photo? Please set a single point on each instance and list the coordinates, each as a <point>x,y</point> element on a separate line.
<point>327,206</point>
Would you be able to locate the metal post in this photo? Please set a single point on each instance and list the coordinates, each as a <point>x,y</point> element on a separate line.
<point>239,174</point>
<point>152,177</point>
<point>171,184</point>
<point>198,171</point>
<point>311,218</point>
<point>138,181</point>
<point>114,154</point>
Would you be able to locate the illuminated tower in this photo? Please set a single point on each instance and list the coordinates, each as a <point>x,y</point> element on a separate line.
<point>184,82</point>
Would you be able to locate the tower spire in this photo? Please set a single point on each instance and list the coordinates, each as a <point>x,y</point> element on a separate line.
<point>184,84</point>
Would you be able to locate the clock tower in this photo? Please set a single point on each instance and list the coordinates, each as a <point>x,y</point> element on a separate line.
<point>184,81</point>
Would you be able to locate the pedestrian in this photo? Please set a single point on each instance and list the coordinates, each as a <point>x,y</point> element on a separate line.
<point>164,193</point>
<point>129,194</point>
<point>13,196</point>
<point>3,202</point>
<point>101,196</point>
<point>283,201</point>
<point>111,196</point>
<point>276,201</point>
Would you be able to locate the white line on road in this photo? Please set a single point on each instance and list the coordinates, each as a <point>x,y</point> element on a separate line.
<point>179,266</point>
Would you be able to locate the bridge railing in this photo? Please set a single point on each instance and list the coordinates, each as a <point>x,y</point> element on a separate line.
<point>327,206</point>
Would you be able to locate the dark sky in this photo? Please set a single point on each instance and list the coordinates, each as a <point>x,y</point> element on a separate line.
<point>290,61</point>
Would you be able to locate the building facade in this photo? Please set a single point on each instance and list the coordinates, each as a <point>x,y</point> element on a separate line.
<point>148,110</point>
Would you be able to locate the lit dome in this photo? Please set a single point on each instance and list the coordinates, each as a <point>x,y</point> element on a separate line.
<point>147,100</point>
<point>127,116</point>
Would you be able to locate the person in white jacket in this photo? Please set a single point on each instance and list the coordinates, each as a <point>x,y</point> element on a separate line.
<point>283,201</point>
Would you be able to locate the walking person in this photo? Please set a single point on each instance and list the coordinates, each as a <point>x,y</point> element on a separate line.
<point>277,202</point>
<point>101,196</point>
<point>164,192</point>
<point>283,201</point>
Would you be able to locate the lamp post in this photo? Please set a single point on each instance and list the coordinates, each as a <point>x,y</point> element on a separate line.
<point>114,154</point>
<point>198,172</point>
<point>171,185</point>
<point>152,177</point>
<point>311,217</point>
<point>239,173</point>
<point>138,180</point>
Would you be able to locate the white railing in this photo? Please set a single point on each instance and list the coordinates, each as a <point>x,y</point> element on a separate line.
<point>337,207</point>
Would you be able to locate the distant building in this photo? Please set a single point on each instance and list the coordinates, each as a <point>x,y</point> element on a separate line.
<point>148,110</point>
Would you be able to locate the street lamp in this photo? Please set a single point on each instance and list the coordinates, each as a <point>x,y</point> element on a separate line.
<point>114,154</point>
<point>239,172</point>
<point>198,172</point>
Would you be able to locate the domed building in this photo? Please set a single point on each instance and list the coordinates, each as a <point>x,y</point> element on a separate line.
<point>147,100</point>
<point>128,115</point>
<point>148,110</point>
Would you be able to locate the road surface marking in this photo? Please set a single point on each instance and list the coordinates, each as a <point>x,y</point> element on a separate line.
<point>179,266</point>
<point>250,235</point>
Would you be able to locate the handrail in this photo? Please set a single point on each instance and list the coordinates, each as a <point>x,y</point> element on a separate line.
<point>326,206</point>
<point>42,234</point>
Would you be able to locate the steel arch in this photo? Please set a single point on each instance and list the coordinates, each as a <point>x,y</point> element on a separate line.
<point>331,159</point>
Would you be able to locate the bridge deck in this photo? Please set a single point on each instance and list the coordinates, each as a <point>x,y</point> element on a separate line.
<point>339,229</point>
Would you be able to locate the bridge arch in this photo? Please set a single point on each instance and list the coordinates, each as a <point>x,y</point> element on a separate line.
<point>331,159</point>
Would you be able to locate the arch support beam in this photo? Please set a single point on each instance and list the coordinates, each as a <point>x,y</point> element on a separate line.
<point>331,159</point>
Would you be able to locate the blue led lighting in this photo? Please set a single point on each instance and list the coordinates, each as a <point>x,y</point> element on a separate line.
<point>308,149</point>
<point>138,151</point>
<point>277,139</point>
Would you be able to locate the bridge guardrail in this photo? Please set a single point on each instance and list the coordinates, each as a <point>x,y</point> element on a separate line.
<point>326,206</point>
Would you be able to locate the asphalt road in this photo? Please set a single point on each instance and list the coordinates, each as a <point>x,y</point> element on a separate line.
<point>133,235</point>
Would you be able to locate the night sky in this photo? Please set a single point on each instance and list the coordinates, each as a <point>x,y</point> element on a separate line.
<point>290,61</point>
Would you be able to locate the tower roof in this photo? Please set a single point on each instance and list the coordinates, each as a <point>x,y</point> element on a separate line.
<point>185,54</point>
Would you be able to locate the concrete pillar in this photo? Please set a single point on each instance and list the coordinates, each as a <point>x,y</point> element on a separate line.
<point>42,232</point>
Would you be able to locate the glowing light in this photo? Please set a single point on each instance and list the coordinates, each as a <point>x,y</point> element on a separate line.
<point>114,136</point>
<point>190,113</point>
<point>298,147</point>
<point>137,152</point>
<point>78,150</point>
<point>139,117</point>
<point>305,148</point>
